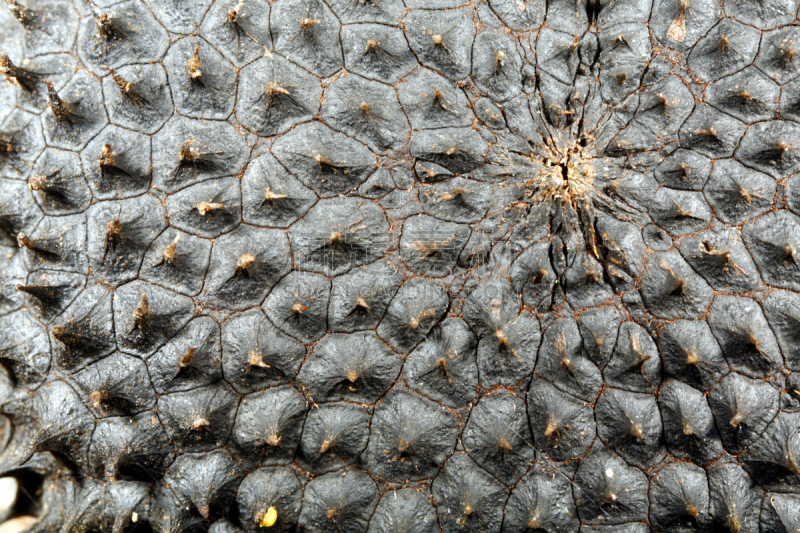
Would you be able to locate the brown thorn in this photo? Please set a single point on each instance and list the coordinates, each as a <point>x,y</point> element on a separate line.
<point>141,312</point>
<point>361,302</point>
<point>188,152</point>
<point>274,88</point>
<point>168,256</point>
<point>38,183</point>
<point>107,157</point>
<point>105,24</point>
<point>244,262</point>
<point>255,359</point>
<point>193,67</point>
<point>206,207</point>
<point>61,109</point>
<point>307,23</point>
<point>234,12</point>
<point>24,15</point>
<point>16,75</point>
<point>187,358</point>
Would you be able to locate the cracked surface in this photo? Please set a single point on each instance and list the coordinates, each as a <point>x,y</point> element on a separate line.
<point>345,266</point>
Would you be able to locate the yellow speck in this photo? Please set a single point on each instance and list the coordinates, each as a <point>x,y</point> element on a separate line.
<point>270,517</point>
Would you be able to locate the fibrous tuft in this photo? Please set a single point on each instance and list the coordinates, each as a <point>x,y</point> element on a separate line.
<point>383,266</point>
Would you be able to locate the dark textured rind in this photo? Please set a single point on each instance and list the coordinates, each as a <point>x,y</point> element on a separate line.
<point>400,265</point>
